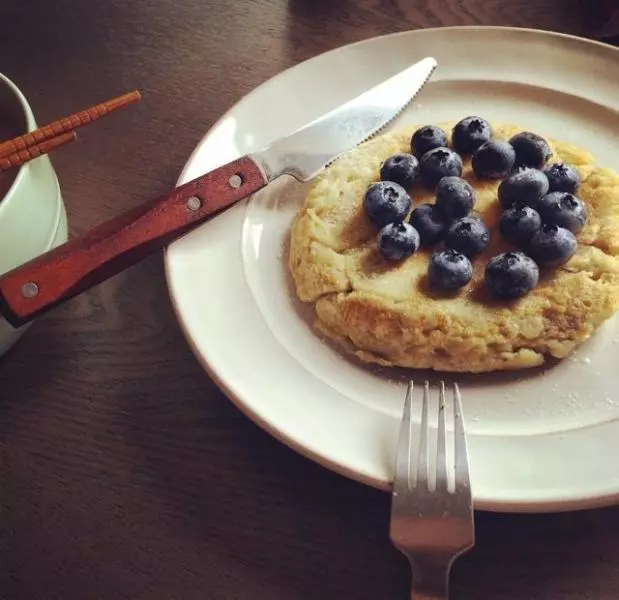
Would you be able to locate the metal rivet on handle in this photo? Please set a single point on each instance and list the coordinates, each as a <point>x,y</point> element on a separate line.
<point>29,290</point>
<point>194,203</point>
<point>235,181</point>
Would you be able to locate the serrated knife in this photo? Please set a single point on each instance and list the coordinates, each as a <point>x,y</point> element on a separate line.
<point>68,270</point>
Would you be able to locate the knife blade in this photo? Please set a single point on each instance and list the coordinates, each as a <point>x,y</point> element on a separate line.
<point>81,263</point>
<point>305,152</point>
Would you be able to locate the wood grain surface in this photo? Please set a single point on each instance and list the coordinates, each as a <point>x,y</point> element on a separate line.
<point>124,471</point>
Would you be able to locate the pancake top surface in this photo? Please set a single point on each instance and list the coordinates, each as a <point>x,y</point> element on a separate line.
<point>385,312</point>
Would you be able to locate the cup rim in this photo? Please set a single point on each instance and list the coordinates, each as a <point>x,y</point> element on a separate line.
<point>30,126</point>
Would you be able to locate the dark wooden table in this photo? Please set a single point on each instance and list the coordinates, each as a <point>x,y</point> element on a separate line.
<point>124,471</point>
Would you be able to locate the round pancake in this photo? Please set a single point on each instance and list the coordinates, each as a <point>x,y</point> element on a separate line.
<point>383,312</point>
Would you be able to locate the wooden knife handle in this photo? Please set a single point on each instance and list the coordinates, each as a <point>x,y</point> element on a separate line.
<point>69,269</point>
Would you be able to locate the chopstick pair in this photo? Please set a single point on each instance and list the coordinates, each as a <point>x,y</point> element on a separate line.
<point>20,150</point>
<point>17,159</point>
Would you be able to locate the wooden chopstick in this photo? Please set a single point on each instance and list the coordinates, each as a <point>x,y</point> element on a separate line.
<point>17,159</point>
<point>83,117</point>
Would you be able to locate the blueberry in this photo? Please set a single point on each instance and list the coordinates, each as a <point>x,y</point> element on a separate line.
<point>470,133</point>
<point>449,270</point>
<point>564,210</point>
<point>511,275</point>
<point>468,236</point>
<point>386,202</point>
<point>429,223</point>
<point>427,138</point>
<point>398,240</point>
<point>552,245</point>
<point>531,149</point>
<point>494,159</point>
<point>562,178</point>
<point>455,197</point>
<point>400,168</point>
<point>518,223</point>
<point>525,186</point>
<point>438,163</point>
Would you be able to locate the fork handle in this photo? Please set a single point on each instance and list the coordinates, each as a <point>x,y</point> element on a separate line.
<point>415,595</point>
<point>430,581</point>
<point>435,592</point>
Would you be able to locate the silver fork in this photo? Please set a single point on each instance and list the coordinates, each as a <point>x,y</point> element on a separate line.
<point>432,520</point>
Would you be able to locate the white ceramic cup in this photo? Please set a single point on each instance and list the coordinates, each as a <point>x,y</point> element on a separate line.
<point>32,215</point>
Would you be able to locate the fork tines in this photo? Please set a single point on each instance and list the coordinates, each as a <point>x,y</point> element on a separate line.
<point>440,462</point>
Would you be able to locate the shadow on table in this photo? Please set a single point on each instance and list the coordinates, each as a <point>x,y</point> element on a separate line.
<point>313,26</point>
<point>566,556</point>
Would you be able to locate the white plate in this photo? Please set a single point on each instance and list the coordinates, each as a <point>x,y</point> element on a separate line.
<point>543,440</point>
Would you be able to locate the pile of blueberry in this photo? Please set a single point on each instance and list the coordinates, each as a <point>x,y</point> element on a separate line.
<point>540,212</point>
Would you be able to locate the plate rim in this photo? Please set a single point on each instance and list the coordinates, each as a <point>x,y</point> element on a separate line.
<point>585,501</point>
